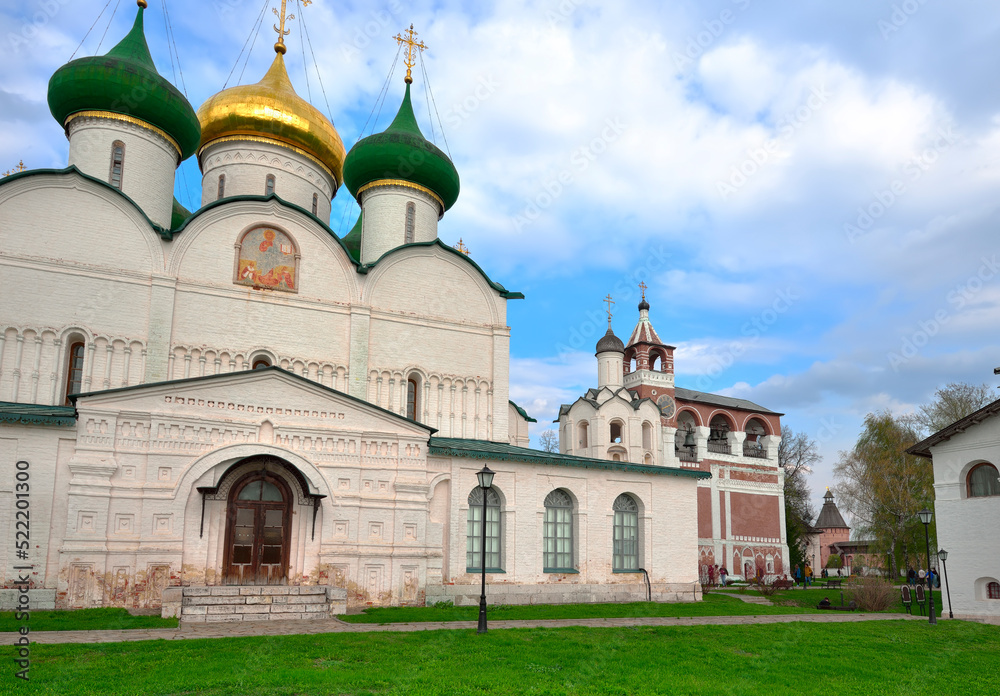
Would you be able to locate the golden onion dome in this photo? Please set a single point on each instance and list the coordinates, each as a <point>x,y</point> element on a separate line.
<point>271,111</point>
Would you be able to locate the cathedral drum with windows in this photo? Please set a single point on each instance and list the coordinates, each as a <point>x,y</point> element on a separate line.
<point>239,397</point>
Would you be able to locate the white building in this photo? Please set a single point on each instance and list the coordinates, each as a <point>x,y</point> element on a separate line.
<point>237,395</point>
<point>966,455</point>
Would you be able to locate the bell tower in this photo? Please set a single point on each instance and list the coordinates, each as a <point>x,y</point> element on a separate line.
<point>649,364</point>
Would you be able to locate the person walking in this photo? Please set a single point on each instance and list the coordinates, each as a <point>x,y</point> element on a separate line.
<point>809,575</point>
<point>722,575</point>
<point>798,574</point>
<point>911,577</point>
<point>711,575</point>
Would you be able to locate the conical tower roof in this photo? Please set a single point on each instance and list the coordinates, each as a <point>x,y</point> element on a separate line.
<point>829,516</point>
<point>644,331</point>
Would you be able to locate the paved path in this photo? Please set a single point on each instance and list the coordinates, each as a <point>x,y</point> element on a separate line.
<point>284,628</point>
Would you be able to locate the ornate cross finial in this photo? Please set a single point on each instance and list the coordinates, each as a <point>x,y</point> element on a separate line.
<point>282,18</point>
<point>411,43</point>
<point>643,287</point>
<point>609,302</point>
<point>16,170</point>
<point>461,247</point>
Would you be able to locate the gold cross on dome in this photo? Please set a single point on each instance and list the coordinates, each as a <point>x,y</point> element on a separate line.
<point>16,170</point>
<point>609,302</point>
<point>282,18</point>
<point>461,247</point>
<point>643,287</point>
<point>411,43</point>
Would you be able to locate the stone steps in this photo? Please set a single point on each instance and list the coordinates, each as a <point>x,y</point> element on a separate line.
<point>218,604</point>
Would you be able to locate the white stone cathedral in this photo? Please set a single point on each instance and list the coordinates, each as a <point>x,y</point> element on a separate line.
<point>236,396</point>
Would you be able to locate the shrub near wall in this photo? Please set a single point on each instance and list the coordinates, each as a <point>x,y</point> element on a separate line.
<point>873,593</point>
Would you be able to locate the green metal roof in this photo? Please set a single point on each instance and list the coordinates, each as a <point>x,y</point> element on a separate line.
<point>524,414</point>
<point>36,414</point>
<point>498,451</point>
<point>402,152</point>
<point>125,81</point>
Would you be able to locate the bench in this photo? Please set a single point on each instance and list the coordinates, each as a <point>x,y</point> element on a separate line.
<point>907,598</point>
<point>783,584</point>
<point>833,583</point>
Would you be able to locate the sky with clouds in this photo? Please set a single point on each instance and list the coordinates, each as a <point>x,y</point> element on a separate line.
<point>808,189</point>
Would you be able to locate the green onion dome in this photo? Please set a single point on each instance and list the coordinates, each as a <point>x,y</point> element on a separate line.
<point>402,152</point>
<point>352,240</point>
<point>124,82</point>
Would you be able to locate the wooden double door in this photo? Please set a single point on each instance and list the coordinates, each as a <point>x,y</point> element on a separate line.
<point>258,521</point>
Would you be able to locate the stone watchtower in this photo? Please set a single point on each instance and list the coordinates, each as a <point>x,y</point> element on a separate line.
<point>830,528</point>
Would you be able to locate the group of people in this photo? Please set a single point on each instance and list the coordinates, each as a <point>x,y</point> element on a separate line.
<point>715,570</point>
<point>914,577</point>
<point>804,576</point>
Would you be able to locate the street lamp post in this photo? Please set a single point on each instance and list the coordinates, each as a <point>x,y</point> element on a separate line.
<point>925,516</point>
<point>943,555</point>
<point>485,477</point>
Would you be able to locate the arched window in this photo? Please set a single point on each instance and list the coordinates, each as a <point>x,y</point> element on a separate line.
<point>411,215</point>
<point>411,398</point>
<point>993,590</point>
<point>74,369</point>
<point>983,481</point>
<point>626,534</point>
<point>117,164</point>
<point>647,436</point>
<point>269,185</point>
<point>260,362</point>
<point>557,533</point>
<point>616,432</point>
<point>655,363</point>
<point>315,203</point>
<point>584,427</point>
<point>222,186</point>
<point>474,534</point>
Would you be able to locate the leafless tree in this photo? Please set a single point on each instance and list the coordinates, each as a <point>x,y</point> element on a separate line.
<point>549,441</point>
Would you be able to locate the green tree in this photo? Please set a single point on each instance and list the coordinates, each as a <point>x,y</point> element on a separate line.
<point>797,454</point>
<point>953,402</point>
<point>883,488</point>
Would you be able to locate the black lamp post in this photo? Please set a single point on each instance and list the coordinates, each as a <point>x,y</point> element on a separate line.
<point>926,516</point>
<point>943,555</point>
<point>485,477</point>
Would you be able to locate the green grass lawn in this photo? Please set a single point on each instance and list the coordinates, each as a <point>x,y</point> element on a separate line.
<point>84,620</point>
<point>908,658</point>
<point>812,596</point>
<point>713,605</point>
